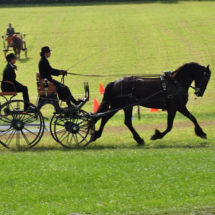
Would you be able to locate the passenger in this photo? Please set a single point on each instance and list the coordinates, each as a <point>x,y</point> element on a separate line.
<point>10,75</point>
<point>10,32</point>
<point>46,71</point>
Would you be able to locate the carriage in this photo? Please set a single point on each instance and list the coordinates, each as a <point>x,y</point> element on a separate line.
<point>75,127</point>
<point>10,45</point>
<point>23,129</point>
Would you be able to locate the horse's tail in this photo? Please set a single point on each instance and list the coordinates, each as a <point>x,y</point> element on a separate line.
<point>106,101</point>
<point>108,92</point>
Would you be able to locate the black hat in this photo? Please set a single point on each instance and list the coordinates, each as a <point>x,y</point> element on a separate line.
<point>45,49</point>
<point>10,57</point>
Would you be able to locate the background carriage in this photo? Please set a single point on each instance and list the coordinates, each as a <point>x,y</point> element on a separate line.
<point>12,45</point>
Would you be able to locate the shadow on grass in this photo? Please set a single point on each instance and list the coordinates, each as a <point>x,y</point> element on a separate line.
<point>87,3</point>
<point>24,60</point>
<point>115,147</point>
<point>177,146</point>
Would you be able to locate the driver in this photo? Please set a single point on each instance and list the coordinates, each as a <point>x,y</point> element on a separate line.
<point>46,71</point>
<point>10,32</point>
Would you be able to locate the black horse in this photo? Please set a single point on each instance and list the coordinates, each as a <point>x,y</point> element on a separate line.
<point>168,92</point>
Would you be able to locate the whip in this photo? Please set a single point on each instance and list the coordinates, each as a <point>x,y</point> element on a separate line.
<point>87,58</point>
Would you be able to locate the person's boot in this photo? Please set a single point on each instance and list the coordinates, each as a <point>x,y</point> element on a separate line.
<point>69,105</point>
<point>74,101</point>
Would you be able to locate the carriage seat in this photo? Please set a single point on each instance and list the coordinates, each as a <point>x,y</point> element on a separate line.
<point>40,87</point>
<point>8,93</point>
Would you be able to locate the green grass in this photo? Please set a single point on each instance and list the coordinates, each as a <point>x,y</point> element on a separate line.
<point>120,180</point>
<point>113,175</point>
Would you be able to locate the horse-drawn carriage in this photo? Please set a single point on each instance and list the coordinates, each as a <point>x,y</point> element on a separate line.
<point>75,127</point>
<point>24,128</point>
<point>15,43</point>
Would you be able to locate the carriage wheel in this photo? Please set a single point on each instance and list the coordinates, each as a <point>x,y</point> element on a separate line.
<point>73,130</point>
<point>18,128</point>
<point>52,125</point>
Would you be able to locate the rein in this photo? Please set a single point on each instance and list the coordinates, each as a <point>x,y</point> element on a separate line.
<point>119,75</point>
<point>193,87</point>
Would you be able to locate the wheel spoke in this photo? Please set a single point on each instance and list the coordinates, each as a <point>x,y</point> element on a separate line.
<point>4,127</point>
<point>10,105</point>
<point>81,135</point>
<point>81,121</point>
<point>30,131</point>
<point>84,131</point>
<point>5,119</point>
<point>10,138</point>
<point>84,126</point>
<point>76,139</point>
<point>28,120</point>
<point>25,137</point>
<point>5,131</point>
<point>63,135</point>
<point>71,140</point>
<point>68,138</point>
<point>59,124</point>
<point>18,139</point>
<point>60,130</point>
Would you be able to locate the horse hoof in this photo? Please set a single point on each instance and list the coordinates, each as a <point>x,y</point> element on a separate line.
<point>153,137</point>
<point>141,143</point>
<point>156,135</point>
<point>204,136</point>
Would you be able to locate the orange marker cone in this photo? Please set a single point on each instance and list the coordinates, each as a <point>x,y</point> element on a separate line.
<point>153,110</point>
<point>95,105</point>
<point>101,88</point>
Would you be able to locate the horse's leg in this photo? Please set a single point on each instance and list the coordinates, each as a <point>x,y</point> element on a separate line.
<point>128,123</point>
<point>170,118</point>
<point>14,49</point>
<point>104,120</point>
<point>18,53</point>
<point>198,130</point>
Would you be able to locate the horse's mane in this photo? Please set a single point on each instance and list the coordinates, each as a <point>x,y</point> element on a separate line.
<point>186,67</point>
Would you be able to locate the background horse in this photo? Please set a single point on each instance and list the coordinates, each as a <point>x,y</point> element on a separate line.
<point>16,44</point>
<point>169,92</point>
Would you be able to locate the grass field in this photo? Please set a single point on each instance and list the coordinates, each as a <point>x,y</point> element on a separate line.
<point>113,175</point>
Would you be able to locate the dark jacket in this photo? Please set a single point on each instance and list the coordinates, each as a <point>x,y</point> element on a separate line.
<point>10,32</point>
<point>9,75</point>
<point>46,70</point>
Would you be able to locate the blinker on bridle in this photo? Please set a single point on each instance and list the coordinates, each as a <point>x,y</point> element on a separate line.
<point>204,80</point>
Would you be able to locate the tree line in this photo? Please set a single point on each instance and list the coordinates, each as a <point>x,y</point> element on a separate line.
<point>81,1</point>
<point>61,1</point>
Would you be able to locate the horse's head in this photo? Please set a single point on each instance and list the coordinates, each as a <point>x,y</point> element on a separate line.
<point>190,72</point>
<point>202,78</point>
<point>14,38</point>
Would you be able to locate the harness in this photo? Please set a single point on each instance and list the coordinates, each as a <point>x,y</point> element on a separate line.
<point>165,89</point>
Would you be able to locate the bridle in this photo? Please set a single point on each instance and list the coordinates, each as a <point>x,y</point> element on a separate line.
<point>200,89</point>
